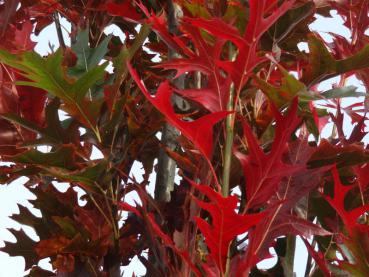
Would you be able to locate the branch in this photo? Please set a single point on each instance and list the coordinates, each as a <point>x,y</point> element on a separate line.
<point>166,165</point>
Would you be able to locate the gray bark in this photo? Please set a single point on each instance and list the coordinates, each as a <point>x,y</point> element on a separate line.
<point>166,165</point>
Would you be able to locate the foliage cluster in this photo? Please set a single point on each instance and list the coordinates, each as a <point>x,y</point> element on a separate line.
<point>240,113</point>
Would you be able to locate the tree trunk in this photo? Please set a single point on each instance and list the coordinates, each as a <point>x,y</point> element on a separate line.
<point>166,165</point>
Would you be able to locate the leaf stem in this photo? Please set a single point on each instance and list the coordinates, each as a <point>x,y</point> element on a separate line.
<point>228,149</point>
<point>228,145</point>
<point>290,253</point>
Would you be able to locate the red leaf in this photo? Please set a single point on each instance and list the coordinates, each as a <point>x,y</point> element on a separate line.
<point>276,223</point>
<point>124,9</point>
<point>240,69</point>
<point>215,96</point>
<point>362,173</point>
<point>50,247</point>
<point>169,243</point>
<point>318,258</point>
<point>158,232</point>
<point>349,218</point>
<point>32,103</point>
<point>258,24</point>
<point>129,208</point>
<point>22,39</point>
<point>207,57</point>
<point>263,172</point>
<point>8,9</point>
<point>159,25</point>
<point>226,224</point>
<point>219,28</point>
<point>199,131</point>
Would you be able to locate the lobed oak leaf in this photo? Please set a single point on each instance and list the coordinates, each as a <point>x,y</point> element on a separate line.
<point>346,155</point>
<point>198,131</point>
<point>322,65</point>
<point>349,218</point>
<point>214,97</point>
<point>241,68</point>
<point>160,26</point>
<point>258,24</point>
<point>263,172</point>
<point>225,225</point>
<point>24,247</point>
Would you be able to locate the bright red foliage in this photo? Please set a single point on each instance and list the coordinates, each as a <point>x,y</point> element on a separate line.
<point>244,164</point>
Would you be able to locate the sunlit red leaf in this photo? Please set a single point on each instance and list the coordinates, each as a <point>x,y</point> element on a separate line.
<point>263,172</point>
<point>199,131</point>
<point>338,200</point>
<point>226,224</point>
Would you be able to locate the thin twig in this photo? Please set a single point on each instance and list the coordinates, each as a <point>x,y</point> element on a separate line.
<point>59,30</point>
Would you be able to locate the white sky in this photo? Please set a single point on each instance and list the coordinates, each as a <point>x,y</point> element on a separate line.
<point>16,193</point>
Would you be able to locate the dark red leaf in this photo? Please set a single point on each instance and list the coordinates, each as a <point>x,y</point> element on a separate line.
<point>8,10</point>
<point>318,258</point>
<point>124,9</point>
<point>168,242</point>
<point>24,247</point>
<point>328,154</point>
<point>32,103</point>
<point>362,173</point>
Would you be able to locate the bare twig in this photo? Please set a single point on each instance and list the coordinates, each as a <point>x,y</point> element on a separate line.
<point>59,30</point>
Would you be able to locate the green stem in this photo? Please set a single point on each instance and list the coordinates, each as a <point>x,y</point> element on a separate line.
<point>290,253</point>
<point>229,133</point>
<point>228,145</point>
<point>228,150</point>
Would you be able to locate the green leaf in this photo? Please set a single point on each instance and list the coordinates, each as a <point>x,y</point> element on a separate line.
<point>63,157</point>
<point>48,74</point>
<point>91,174</point>
<point>14,118</point>
<point>282,95</point>
<point>120,63</point>
<point>88,80</point>
<point>342,92</point>
<point>349,91</point>
<point>87,178</point>
<point>322,65</point>
<point>67,225</point>
<point>87,58</point>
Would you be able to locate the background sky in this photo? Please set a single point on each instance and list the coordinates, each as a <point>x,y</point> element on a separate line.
<point>15,192</point>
